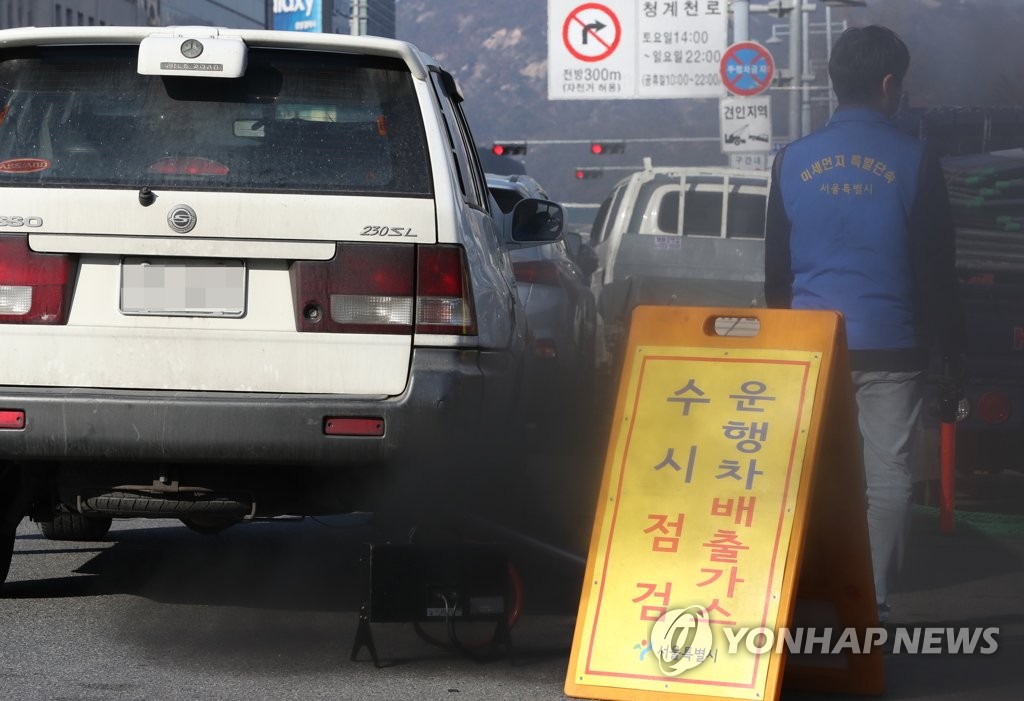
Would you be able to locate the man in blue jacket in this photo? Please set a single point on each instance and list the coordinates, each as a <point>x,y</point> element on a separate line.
<point>859,221</point>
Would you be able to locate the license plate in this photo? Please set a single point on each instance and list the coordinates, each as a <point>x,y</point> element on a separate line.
<point>183,287</point>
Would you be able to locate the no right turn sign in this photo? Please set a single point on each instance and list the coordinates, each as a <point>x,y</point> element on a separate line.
<point>591,32</point>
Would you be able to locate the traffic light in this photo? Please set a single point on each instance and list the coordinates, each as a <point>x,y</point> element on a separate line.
<point>600,148</point>
<point>509,148</point>
<point>588,173</point>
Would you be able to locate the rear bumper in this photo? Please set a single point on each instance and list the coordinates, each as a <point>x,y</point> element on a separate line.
<point>450,393</point>
<point>619,297</point>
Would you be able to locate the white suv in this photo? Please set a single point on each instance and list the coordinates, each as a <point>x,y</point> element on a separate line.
<point>242,273</point>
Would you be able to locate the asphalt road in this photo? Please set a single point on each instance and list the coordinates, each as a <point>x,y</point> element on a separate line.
<point>264,610</point>
<point>269,611</point>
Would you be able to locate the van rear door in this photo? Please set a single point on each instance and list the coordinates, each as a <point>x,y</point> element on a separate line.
<point>259,233</point>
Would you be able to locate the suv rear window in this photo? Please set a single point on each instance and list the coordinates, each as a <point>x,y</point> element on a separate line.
<point>296,122</point>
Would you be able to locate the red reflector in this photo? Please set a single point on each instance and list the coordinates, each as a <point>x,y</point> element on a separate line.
<point>994,408</point>
<point>188,166</point>
<point>537,272</point>
<point>342,426</point>
<point>12,419</point>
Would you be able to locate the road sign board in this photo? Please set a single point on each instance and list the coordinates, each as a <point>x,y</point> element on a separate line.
<point>746,124</point>
<point>747,68</point>
<point>623,49</point>
<point>730,489</point>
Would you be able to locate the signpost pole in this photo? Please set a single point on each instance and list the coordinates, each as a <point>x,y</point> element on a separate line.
<point>740,21</point>
<point>828,55</point>
<point>796,17</point>
<point>805,71</point>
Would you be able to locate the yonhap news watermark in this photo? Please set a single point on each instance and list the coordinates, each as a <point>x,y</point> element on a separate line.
<point>922,640</point>
<point>684,638</point>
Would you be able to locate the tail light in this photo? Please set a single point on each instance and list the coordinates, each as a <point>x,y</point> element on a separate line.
<point>365,288</point>
<point>444,304</point>
<point>385,288</point>
<point>188,166</point>
<point>545,348</point>
<point>537,272</point>
<point>35,288</point>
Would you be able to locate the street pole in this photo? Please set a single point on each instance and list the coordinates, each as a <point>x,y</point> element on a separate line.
<point>740,21</point>
<point>796,20</point>
<point>828,56</point>
<point>805,72</point>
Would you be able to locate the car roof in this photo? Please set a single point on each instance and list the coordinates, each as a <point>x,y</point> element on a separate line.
<point>522,183</point>
<point>711,173</point>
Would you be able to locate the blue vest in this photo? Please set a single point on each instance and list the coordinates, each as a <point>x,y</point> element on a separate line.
<point>848,191</point>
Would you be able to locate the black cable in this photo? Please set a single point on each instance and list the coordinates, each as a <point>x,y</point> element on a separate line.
<point>465,651</point>
<point>453,639</point>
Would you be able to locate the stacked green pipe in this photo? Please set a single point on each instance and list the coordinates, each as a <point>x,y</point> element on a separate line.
<point>986,191</point>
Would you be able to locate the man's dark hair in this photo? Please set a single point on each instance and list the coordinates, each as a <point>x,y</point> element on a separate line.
<point>861,58</point>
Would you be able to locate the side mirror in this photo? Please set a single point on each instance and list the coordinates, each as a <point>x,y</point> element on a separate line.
<point>537,221</point>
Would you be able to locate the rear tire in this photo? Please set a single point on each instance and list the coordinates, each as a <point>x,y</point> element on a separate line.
<point>133,505</point>
<point>6,552</point>
<point>70,525</point>
<point>11,511</point>
<point>210,525</point>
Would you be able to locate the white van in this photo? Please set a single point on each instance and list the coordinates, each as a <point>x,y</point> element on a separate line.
<point>243,273</point>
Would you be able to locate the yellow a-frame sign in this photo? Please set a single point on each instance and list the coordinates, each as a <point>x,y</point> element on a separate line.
<point>732,488</point>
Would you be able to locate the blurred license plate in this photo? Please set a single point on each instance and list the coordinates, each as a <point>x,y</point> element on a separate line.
<point>183,287</point>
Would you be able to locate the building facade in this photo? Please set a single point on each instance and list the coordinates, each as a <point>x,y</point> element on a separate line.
<point>374,17</point>
<point>247,14</point>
